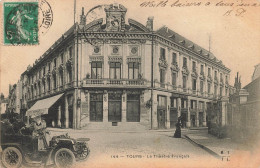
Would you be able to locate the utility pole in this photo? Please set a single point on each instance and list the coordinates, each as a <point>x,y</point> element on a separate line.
<point>209,41</point>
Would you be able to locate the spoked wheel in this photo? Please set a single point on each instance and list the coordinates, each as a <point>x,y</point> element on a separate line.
<point>12,157</point>
<point>64,158</point>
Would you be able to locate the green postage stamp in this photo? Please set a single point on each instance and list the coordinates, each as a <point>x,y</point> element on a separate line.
<point>20,23</point>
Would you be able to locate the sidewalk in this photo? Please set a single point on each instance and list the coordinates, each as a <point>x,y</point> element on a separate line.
<point>215,146</point>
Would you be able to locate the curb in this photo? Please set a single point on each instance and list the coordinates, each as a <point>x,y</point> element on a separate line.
<point>203,147</point>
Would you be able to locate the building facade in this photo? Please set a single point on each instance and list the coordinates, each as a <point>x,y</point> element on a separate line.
<point>117,71</point>
<point>244,110</point>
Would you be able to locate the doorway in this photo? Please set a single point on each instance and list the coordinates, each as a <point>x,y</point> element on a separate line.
<point>161,111</point>
<point>114,107</point>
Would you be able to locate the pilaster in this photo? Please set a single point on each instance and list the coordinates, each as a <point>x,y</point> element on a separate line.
<point>188,113</point>
<point>124,100</point>
<point>105,107</point>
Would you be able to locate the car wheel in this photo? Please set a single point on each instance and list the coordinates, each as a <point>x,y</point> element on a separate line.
<point>64,158</point>
<point>12,157</point>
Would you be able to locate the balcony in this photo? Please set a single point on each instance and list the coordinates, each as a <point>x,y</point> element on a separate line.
<point>117,83</point>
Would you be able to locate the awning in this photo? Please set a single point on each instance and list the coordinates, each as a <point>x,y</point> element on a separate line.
<point>41,107</point>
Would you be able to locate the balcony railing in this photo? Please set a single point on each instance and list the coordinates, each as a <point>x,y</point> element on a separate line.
<point>114,82</point>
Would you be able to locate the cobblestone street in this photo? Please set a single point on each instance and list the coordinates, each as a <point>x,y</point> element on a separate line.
<point>150,148</point>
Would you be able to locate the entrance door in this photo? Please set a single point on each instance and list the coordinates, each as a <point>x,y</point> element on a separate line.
<point>161,111</point>
<point>192,120</point>
<point>96,107</point>
<point>183,119</point>
<point>173,117</point>
<point>114,107</point>
<point>133,108</point>
<point>161,118</point>
<point>200,119</point>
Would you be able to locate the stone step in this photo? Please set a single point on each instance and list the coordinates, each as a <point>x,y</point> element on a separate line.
<point>127,126</point>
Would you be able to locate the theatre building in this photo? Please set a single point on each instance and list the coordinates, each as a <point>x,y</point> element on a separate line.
<point>117,72</point>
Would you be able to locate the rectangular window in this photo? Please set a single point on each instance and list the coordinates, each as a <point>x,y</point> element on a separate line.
<point>61,79</point>
<point>184,82</point>
<point>194,84</point>
<point>173,102</point>
<point>174,58</point>
<point>226,90</point>
<point>183,103</point>
<point>220,91</point>
<point>49,66</point>
<point>61,58</point>
<point>54,81</point>
<point>162,54</point>
<point>174,77</point>
<point>43,70</point>
<point>215,90</point>
<point>201,86</point>
<point>209,87</point>
<point>209,72</point>
<point>162,76</point>
<point>184,62</point>
<point>193,66</point>
<point>55,62</point>
<point>161,100</point>
<point>201,69</point>
<point>43,84</point>
<point>192,104</point>
<point>215,75</point>
<point>133,70</point>
<point>115,70</point>
<point>40,73</point>
<point>96,70</point>
<point>70,52</point>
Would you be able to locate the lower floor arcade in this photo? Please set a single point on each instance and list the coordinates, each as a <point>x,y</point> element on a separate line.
<point>153,109</point>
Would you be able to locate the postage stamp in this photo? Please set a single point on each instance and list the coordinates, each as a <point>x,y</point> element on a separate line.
<point>20,23</point>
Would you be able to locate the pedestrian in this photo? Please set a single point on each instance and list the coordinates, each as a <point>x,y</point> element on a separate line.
<point>177,133</point>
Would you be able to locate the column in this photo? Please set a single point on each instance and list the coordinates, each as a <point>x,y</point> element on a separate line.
<point>179,106</point>
<point>154,104</point>
<point>74,110</point>
<point>188,113</point>
<point>168,122</point>
<point>124,64</point>
<point>105,106</point>
<point>197,114</point>
<point>204,114</point>
<point>59,116</point>
<point>124,99</point>
<point>106,65</point>
<point>78,109</point>
<point>66,120</point>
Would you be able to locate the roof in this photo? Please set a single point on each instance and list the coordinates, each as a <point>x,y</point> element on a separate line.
<point>256,72</point>
<point>256,81</point>
<point>176,38</point>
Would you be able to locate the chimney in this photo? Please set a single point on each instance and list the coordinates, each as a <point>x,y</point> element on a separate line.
<point>82,17</point>
<point>149,23</point>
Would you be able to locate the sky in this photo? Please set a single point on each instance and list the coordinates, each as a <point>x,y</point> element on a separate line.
<point>234,32</point>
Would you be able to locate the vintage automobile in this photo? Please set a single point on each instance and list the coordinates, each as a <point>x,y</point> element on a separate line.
<point>18,147</point>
